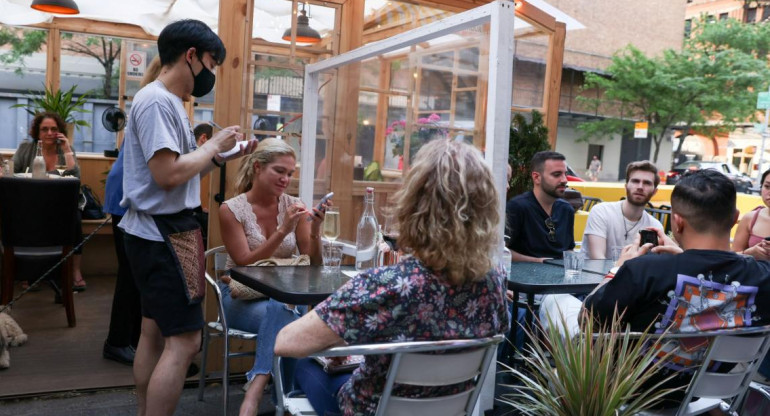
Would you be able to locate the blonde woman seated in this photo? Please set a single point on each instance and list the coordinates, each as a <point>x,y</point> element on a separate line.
<point>263,222</point>
<point>447,211</point>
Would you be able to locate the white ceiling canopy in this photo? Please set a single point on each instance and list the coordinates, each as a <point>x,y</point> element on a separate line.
<point>271,17</point>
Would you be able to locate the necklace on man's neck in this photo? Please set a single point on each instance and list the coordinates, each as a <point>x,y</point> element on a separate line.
<point>623,216</point>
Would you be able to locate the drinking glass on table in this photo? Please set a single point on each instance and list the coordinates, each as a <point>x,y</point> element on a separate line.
<point>61,169</point>
<point>573,264</point>
<point>390,236</point>
<point>615,252</point>
<point>332,257</point>
<point>331,227</point>
<point>331,231</point>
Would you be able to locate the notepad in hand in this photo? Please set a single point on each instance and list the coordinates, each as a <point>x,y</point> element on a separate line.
<point>234,150</point>
<point>334,365</point>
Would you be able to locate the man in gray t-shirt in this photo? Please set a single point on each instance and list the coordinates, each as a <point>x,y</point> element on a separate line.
<point>161,183</point>
<point>615,224</point>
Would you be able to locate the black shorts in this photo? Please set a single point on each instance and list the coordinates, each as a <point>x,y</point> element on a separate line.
<point>162,292</point>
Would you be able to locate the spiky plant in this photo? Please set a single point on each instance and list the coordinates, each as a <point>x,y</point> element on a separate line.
<point>63,103</point>
<point>588,375</point>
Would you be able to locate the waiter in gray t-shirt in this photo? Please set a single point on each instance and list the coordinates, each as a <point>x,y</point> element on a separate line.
<point>615,224</point>
<point>161,186</point>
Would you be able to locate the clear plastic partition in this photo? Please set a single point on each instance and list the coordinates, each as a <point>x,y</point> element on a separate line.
<point>373,108</point>
<point>529,69</point>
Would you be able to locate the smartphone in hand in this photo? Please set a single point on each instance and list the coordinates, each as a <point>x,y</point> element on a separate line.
<point>323,200</point>
<point>648,236</point>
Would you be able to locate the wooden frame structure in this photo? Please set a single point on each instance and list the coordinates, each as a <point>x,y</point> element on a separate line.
<point>235,84</point>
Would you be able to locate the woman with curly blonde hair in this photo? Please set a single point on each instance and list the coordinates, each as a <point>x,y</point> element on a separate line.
<point>447,289</point>
<point>262,222</point>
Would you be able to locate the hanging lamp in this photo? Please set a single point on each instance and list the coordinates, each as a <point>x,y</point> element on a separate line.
<point>305,33</point>
<point>56,6</point>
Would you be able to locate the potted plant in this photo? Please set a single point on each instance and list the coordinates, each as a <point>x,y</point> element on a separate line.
<point>588,374</point>
<point>526,139</point>
<point>63,103</point>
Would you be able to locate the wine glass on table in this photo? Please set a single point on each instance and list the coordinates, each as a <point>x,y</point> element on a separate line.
<point>61,169</point>
<point>331,231</point>
<point>390,236</point>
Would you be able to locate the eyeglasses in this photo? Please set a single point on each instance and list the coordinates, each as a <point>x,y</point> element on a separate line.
<point>51,129</point>
<point>551,229</point>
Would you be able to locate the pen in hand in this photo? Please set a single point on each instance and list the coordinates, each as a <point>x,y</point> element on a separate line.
<point>211,122</point>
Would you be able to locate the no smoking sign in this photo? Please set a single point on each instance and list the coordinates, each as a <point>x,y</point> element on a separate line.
<point>137,63</point>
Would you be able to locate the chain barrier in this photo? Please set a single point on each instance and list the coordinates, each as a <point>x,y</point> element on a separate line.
<point>49,271</point>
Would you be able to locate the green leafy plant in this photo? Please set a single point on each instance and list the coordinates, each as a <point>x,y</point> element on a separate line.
<point>526,139</point>
<point>587,375</point>
<point>423,131</point>
<point>63,103</point>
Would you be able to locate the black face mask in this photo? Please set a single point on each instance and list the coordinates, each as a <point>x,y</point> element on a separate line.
<point>203,82</point>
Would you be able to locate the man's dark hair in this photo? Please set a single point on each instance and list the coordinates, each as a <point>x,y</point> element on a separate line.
<point>538,160</point>
<point>203,128</point>
<point>706,199</point>
<point>175,39</point>
<point>643,165</point>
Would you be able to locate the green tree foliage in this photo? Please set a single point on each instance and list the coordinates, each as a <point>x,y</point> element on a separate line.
<point>23,43</point>
<point>526,139</point>
<point>103,49</point>
<point>715,76</point>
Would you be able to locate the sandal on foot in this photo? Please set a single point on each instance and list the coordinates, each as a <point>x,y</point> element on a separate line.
<point>79,288</point>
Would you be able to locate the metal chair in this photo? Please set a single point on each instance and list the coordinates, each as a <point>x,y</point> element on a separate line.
<point>745,347</point>
<point>662,215</point>
<point>219,328</point>
<point>40,223</point>
<point>589,202</point>
<point>413,363</point>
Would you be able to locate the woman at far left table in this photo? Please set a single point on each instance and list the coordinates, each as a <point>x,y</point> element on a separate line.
<point>47,130</point>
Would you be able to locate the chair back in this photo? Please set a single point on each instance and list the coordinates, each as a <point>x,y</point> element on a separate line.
<point>417,364</point>
<point>745,347</point>
<point>39,212</point>
<point>589,202</point>
<point>662,215</point>
<point>216,259</point>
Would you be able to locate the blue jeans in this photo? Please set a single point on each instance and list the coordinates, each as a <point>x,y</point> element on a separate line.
<point>265,317</point>
<point>320,387</point>
<point>515,337</point>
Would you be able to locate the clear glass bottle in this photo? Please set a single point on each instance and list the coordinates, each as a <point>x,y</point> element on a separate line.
<point>38,164</point>
<point>367,235</point>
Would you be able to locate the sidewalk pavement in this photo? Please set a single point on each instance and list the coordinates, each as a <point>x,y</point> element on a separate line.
<point>123,403</point>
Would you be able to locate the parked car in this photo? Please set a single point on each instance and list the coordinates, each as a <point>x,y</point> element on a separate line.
<point>742,182</point>
<point>572,176</point>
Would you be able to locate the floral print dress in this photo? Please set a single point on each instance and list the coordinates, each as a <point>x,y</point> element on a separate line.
<point>408,302</point>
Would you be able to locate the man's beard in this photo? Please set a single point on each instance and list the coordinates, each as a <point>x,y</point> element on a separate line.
<point>631,199</point>
<point>554,191</point>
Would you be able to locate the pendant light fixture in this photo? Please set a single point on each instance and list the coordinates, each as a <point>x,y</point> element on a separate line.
<point>56,6</point>
<point>305,34</point>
